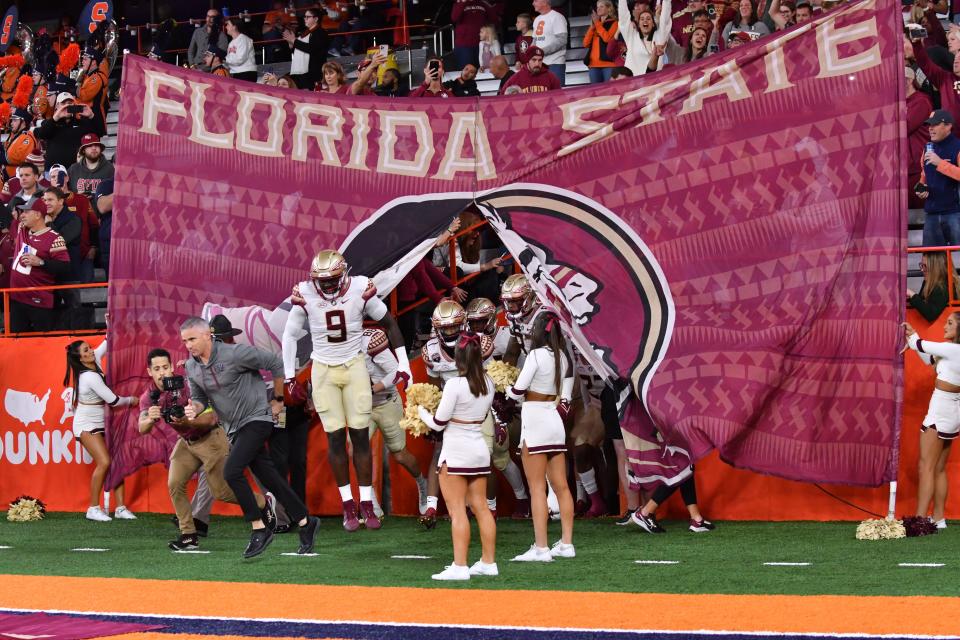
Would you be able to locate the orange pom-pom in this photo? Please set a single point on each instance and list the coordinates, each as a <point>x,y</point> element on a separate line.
<point>5,112</point>
<point>21,97</point>
<point>69,59</point>
<point>15,60</point>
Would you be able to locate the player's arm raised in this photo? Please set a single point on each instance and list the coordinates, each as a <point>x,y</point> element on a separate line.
<point>376,310</point>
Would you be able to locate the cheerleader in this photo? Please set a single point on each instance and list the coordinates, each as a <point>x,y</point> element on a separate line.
<point>546,375</point>
<point>942,423</point>
<point>90,394</point>
<point>464,461</point>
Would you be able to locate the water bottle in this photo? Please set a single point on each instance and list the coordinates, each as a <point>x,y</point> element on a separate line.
<point>281,422</point>
<point>225,11</point>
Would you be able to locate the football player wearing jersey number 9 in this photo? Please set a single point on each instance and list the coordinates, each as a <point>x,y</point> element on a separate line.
<point>334,304</point>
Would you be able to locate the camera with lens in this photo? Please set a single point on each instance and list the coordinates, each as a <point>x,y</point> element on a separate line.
<point>174,411</point>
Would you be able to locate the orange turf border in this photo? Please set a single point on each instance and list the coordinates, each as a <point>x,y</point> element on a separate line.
<point>915,615</point>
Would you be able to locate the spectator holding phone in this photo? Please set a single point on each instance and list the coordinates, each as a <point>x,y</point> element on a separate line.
<point>941,175</point>
<point>309,50</point>
<point>919,107</point>
<point>63,132</point>
<point>603,30</point>
<point>946,82</point>
<point>432,86</point>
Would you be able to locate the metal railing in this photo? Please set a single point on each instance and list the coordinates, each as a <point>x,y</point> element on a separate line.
<point>58,332</point>
<point>454,278</point>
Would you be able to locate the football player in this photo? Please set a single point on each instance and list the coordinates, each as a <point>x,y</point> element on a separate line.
<point>438,357</point>
<point>587,435</point>
<point>388,410</point>
<point>522,307</point>
<point>482,319</point>
<point>334,304</point>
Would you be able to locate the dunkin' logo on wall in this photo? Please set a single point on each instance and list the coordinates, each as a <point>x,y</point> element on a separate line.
<point>37,428</point>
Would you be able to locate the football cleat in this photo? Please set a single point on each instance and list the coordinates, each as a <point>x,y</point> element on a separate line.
<point>482,316</point>
<point>370,519</point>
<point>518,297</point>
<point>350,521</point>
<point>448,319</point>
<point>329,273</point>
<point>429,519</point>
<point>521,509</point>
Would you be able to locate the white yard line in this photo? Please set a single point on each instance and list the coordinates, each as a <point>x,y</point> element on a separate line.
<point>656,561</point>
<point>411,557</point>
<point>89,549</point>
<point>920,564</point>
<point>787,564</point>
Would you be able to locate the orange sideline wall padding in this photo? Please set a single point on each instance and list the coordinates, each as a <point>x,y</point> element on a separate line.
<point>39,456</point>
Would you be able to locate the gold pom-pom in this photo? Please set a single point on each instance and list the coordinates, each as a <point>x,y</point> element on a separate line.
<point>502,374</point>
<point>26,509</point>
<point>419,395</point>
<point>881,530</point>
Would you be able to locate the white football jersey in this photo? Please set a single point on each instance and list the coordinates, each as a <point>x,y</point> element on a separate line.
<point>501,340</point>
<point>336,326</point>
<point>381,364</point>
<point>523,330</point>
<point>441,365</point>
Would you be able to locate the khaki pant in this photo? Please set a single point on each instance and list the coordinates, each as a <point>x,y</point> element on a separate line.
<point>386,417</point>
<point>210,453</point>
<point>342,395</point>
<point>499,453</point>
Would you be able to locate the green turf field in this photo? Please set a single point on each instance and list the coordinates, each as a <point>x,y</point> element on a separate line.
<point>728,560</point>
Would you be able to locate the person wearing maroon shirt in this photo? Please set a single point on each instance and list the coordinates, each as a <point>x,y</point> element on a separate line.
<point>468,16</point>
<point>39,258</point>
<point>946,82</point>
<point>683,21</point>
<point>80,206</point>
<point>524,39</point>
<point>432,86</point>
<point>534,77</point>
<point>919,107</point>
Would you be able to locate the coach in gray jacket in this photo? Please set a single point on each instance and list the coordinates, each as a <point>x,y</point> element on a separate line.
<point>225,378</point>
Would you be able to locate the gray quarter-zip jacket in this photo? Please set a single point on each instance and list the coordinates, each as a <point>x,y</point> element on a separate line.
<point>231,384</point>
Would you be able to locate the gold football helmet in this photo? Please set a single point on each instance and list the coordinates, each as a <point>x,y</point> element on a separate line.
<point>482,316</point>
<point>519,298</point>
<point>447,320</point>
<point>328,272</point>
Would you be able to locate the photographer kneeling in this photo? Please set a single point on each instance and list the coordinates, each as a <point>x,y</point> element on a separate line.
<point>202,445</point>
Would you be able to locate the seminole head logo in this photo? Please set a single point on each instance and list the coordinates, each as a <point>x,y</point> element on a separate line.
<point>584,261</point>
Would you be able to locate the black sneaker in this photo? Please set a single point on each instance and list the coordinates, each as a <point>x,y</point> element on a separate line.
<point>308,535</point>
<point>202,527</point>
<point>283,528</point>
<point>187,542</point>
<point>646,522</point>
<point>624,519</point>
<point>260,539</point>
<point>269,512</point>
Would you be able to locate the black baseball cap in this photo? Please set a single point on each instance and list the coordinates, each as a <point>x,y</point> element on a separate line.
<point>940,116</point>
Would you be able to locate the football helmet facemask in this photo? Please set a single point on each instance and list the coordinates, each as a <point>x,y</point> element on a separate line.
<point>328,272</point>
<point>447,320</point>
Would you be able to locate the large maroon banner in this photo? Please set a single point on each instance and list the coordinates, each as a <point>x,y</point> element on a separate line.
<point>727,236</point>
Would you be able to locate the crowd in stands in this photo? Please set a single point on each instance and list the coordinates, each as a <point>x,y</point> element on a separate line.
<point>56,200</point>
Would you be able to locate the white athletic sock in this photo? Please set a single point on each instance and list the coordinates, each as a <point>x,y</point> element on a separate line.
<point>366,494</point>
<point>581,492</point>
<point>421,483</point>
<point>492,504</point>
<point>589,480</point>
<point>515,477</point>
<point>345,493</point>
<point>432,502</point>
<point>553,503</point>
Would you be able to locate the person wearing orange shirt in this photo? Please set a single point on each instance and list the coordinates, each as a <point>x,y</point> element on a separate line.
<point>602,31</point>
<point>213,59</point>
